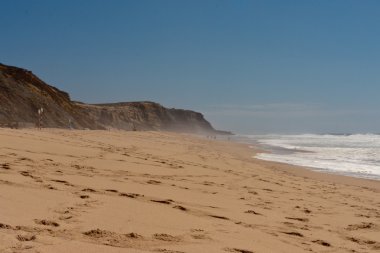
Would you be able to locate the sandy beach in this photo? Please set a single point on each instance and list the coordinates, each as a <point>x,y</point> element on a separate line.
<point>117,191</point>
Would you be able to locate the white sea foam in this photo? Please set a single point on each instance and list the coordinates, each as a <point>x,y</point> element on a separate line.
<point>354,155</point>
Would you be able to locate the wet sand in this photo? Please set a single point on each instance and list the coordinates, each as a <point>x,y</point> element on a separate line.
<point>110,191</point>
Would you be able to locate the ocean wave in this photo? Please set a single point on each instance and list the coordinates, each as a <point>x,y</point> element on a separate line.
<point>350,154</point>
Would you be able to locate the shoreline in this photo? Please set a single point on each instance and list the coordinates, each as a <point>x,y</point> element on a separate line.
<point>262,148</point>
<point>302,171</point>
<point>308,172</point>
<point>117,191</point>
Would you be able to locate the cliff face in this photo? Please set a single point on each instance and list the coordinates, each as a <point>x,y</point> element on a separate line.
<point>22,94</point>
<point>146,116</point>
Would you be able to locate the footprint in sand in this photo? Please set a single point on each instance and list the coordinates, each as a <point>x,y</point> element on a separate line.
<point>26,174</point>
<point>130,195</point>
<point>219,217</point>
<point>293,234</point>
<point>154,182</point>
<point>363,225</point>
<point>26,238</point>
<point>65,217</point>
<point>5,226</point>
<point>50,187</point>
<point>62,182</point>
<point>166,201</point>
<point>371,243</point>
<point>112,238</point>
<point>237,250</point>
<point>297,219</point>
<point>252,212</point>
<point>88,190</point>
<point>167,238</point>
<point>5,166</point>
<point>168,251</point>
<point>46,223</point>
<point>180,208</point>
<point>202,236</point>
<point>111,190</point>
<point>323,243</point>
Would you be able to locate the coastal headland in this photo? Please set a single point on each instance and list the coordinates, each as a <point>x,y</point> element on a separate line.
<point>26,101</point>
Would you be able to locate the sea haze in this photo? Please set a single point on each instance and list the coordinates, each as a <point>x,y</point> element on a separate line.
<point>355,155</point>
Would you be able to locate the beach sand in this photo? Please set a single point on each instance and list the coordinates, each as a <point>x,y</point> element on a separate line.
<point>110,191</point>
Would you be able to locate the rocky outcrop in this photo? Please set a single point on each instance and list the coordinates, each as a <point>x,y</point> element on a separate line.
<point>22,94</point>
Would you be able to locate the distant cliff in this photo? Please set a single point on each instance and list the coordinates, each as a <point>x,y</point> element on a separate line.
<point>145,116</point>
<point>22,94</point>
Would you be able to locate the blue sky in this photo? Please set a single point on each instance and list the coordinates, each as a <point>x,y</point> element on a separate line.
<point>249,66</point>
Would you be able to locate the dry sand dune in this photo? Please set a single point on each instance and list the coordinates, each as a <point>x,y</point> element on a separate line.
<point>100,191</point>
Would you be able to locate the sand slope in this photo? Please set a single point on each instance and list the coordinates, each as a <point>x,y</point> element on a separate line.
<point>100,191</point>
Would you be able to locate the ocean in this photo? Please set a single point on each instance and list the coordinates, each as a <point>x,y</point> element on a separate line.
<point>356,155</point>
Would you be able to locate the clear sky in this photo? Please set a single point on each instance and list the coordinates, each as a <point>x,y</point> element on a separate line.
<point>249,66</point>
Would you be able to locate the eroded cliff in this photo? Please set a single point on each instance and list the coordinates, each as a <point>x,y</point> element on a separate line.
<point>22,93</point>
